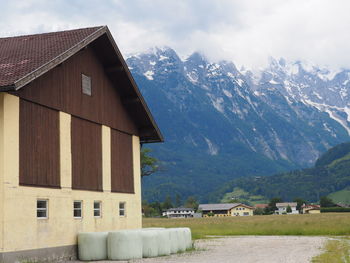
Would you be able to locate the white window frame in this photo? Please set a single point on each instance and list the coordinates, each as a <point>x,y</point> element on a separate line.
<point>99,209</point>
<point>77,209</point>
<point>46,209</point>
<point>122,210</point>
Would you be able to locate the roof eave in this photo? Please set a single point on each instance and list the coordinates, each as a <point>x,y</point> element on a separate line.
<point>134,85</point>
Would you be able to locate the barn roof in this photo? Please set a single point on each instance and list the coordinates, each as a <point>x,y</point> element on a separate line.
<point>25,58</point>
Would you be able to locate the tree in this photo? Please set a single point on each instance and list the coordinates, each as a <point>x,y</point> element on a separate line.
<point>191,202</point>
<point>300,203</point>
<point>259,211</point>
<point>167,203</point>
<point>149,164</point>
<point>272,204</point>
<point>177,200</point>
<point>289,209</point>
<point>326,202</point>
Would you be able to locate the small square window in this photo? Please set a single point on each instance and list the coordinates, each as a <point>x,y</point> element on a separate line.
<point>122,208</point>
<point>86,84</point>
<point>77,209</point>
<point>97,209</point>
<point>42,209</point>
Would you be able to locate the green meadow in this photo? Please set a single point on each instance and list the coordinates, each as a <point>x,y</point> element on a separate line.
<point>329,224</point>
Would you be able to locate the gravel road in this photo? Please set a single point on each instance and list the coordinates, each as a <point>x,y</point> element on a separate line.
<point>246,249</point>
<point>250,249</point>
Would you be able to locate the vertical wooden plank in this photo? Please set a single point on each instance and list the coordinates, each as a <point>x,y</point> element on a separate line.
<point>39,145</point>
<point>61,89</point>
<point>86,141</point>
<point>122,162</point>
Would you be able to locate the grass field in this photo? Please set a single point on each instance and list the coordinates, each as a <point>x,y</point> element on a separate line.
<point>335,251</point>
<point>330,224</point>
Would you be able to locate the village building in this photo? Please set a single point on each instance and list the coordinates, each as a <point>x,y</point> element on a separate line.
<point>261,206</point>
<point>179,212</point>
<point>311,209</point>
<point>220,210</point>
<point>282,208</point>
<point>71,123</point>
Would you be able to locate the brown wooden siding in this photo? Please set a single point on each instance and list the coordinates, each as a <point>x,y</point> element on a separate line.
<point>39,156</point>
<point>86,143</point>
<point>61,89</point>
<point>122,162</point>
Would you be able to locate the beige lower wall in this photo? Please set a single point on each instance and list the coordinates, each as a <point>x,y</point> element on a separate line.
<point>1,170</point>
<point>21,228</point>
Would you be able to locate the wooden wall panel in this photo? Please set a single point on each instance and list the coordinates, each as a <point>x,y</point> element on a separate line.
<point>86,155</point>
<point>122,162</point>
<point>61,89</point>
<point>39,145</point>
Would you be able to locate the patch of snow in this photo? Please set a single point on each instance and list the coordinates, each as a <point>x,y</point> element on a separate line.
<point>212,148</point>
<point>217,102</point>
<point>161,57</point>
<point>273,82</point>
<point>317,95</point>
<point>149,74</point>
<point>227,93</point>
<point>239,82</point>
<point>333,115</point>
<point>230,75</point>
<point>201,66</point>
<point>152,63</point>
<point>192,76</point>
<point>347,111</point>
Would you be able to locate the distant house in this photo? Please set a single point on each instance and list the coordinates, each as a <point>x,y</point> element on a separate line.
<point>260,206</point>
<point>282,208</point>
<point>179,212</point>
<point>311,209</point>
<point>234,209</point>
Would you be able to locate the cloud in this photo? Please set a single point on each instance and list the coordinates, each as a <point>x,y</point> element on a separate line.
<point>246,32</point>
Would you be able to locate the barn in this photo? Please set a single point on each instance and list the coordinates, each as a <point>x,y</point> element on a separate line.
<point>72,121</point>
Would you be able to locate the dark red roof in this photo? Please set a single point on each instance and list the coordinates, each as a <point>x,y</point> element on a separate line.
<point>25,58</point>
<point>22,55</point>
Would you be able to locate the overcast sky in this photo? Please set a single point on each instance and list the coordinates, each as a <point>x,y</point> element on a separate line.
<point>244,31</point>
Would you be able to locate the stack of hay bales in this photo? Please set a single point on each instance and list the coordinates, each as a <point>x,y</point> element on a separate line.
<point>133,244</point>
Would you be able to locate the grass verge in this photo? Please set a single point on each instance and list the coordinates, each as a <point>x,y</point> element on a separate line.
<point>335,251</point>
<point>330,224</point>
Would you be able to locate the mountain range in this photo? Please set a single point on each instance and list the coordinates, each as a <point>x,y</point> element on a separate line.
<point>221,123</point>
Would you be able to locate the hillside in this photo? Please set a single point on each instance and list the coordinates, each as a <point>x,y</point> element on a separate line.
<point>331,178</point>
<point>222,123</point>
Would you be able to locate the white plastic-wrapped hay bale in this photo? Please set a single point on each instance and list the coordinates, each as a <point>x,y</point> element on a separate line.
<point>182,245</point>
<point>162,238</point>
<point>164,242</point>
<point>188,236</point>
<point>124,245</point>
<point>174,240</point>
<point>149,243</point>
<point>92,246</point>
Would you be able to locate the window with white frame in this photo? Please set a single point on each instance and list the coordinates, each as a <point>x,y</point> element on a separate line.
<point>122,209</point>
<point>78,209</point>
<point>97,208</point>
<point>42,208</point>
